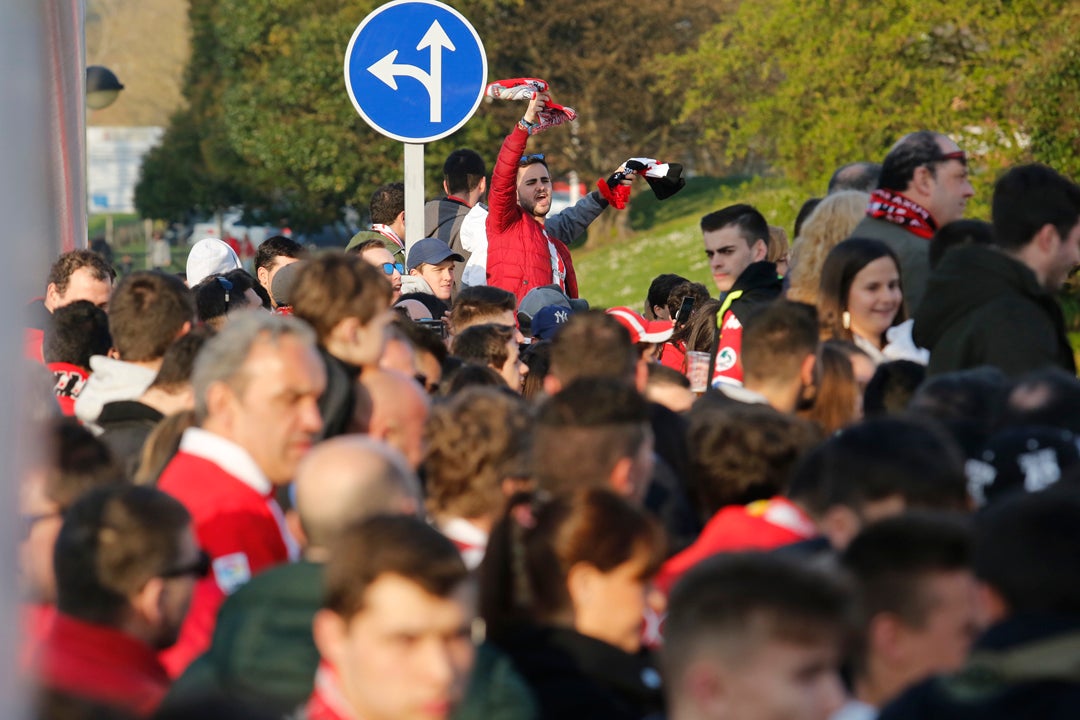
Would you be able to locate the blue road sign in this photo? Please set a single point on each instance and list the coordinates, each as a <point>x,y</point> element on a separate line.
<point>415,70</point>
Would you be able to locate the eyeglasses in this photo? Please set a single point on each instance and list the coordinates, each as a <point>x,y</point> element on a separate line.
<point>530,159</point>
<point>200,568</point>
<point>389,268</point>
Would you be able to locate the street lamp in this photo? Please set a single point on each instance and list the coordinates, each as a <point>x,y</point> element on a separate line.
<point>102,87</point>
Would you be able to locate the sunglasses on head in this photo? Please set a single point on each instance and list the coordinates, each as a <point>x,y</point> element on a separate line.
<point>530,159</point>
<point>957,155</point>
<point>389,268</point>
<point>227,286</point>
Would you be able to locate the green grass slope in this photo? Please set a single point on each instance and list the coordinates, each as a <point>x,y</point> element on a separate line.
<point>667,238</point>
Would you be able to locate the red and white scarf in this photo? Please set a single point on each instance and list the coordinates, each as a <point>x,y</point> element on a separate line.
<point>899,210</point>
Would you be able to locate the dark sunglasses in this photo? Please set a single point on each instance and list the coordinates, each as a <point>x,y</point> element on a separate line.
<point>389,268</point>
<point>200,568</point>
<point>530,159</point>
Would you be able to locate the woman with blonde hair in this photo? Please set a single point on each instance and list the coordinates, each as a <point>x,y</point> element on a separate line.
<point>831,222</point>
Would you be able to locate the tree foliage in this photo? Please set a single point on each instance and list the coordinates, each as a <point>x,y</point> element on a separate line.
<point>268,112</point>
<point>803,86</point>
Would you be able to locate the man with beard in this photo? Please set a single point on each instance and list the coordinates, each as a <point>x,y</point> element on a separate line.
<point>522,253</point>
<point>126,567</point>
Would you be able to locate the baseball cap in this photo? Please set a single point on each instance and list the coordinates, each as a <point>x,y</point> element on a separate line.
<point>431,251</point>
<point>642,330</point>
<point>548,319</point>
<point>207,257</point>
<point>1020,459</point>
<point>284,280</point>
<point>546,295</point>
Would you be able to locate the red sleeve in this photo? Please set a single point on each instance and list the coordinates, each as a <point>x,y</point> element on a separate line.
<point>729,353</point>
<point>503,209</point>
<point>241,544</point>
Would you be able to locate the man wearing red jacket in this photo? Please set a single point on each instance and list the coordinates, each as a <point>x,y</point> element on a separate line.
<point>523,252</point>
<point>256,387</point>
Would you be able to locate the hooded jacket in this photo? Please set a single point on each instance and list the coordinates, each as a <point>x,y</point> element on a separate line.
<point>982,307</point>
<point>111,380</point>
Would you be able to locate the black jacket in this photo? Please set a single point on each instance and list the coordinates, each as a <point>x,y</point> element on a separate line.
<point>338,401</point>
<point>574,676</point>
<point>982,307</point>
<point>126,425</point>
<point>759,285</point>
<point>1024,667</point>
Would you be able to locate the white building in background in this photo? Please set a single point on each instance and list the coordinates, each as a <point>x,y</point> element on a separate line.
<point>113,159</point>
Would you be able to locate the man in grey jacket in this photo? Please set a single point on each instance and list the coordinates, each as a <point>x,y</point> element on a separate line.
<point>924,185</point>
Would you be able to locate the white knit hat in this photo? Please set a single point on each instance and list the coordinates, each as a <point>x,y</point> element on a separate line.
<point>210,256</point>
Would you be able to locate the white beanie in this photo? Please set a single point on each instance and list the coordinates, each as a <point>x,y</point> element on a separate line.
<point>210,256</point>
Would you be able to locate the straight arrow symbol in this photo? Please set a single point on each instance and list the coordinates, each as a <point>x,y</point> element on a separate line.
<point>435,39</point>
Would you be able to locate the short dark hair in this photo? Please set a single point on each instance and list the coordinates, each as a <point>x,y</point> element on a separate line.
<point>480,301</point>
<point>338,285</point>
<point>592,344</point>
<point>214,299</point>
<point>740,453</point>
<point>890,559</point>
<point>113,541</point>
<point>967,403</point>
<point>275,247</point>
<point>61,270</point>
<point>878,459</point>
<point>956,233</point>
<point>659,290</point>
<point>389,545</point>
<point>463,170</point>
<point>1026,549</point>
<point>1028,197</point>
<point>777,339</point>
<point>483,344</point>
<point>1044,397</point>
<point>805,211</point>
<point>583,430</point>
<point>243,281</point>
<point>683,290</point>
<point>891,388</point>
<point>862,176</point>
<point>78,462</point>
<point>915,150</point>
<point>76,332</point>
<point>739,597</point>
<point>179,360</point>
<point>147,312</point>
<point>387,202</point>
<point>751,223</point>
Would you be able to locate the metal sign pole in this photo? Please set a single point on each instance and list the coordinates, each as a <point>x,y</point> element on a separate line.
<point>414,193</point>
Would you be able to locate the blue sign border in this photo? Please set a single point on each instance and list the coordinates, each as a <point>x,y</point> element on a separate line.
<point>348,79</point>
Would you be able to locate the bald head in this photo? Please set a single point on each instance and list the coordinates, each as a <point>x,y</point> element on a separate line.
<point>399,410</point>
<point>347,479</point>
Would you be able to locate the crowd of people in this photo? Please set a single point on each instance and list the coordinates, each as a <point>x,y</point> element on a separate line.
<point>403,481</point>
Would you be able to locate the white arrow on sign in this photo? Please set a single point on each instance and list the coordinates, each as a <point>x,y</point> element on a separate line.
<point>435,39</point>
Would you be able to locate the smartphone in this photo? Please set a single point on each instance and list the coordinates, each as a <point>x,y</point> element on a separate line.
<point>683,316</point>
<point>435,325</point>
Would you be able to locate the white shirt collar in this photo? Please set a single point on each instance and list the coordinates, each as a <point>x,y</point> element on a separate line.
<point>227,455</point>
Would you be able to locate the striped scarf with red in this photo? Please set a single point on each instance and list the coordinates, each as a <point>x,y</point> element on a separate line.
<point>899,210</point>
